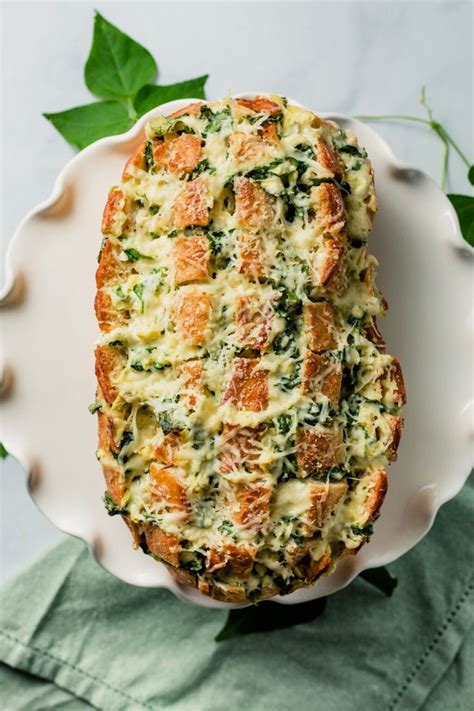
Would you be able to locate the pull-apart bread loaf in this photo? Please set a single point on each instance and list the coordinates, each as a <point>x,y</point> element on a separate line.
<point>247,407</point>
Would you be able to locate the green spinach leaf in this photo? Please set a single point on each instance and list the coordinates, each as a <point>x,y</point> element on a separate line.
<point>85,124</point>
<point>381,578</point>
<point>117,66</point>
<point>119,70</point>
<point>150,95</point>
<point>464,206</point>
<point>269,616</point>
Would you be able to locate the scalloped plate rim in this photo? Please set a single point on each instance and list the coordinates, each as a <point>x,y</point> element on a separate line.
<point>59,188</point>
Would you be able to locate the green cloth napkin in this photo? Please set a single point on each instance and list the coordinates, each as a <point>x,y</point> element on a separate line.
<point>72,636</point>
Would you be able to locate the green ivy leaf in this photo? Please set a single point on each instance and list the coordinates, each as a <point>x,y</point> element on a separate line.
<point>380,578</point>
<point>464,206</point>
<point>3,451</point>
<point>470,175</point>
<point>117,66</point>
<point>150,96</point>
<point>268,616</point>
<point>85,124</point>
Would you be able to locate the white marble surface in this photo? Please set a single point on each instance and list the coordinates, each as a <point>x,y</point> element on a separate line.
<point>349,57</point>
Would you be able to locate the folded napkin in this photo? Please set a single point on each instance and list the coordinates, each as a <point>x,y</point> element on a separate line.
<point>72,636</point>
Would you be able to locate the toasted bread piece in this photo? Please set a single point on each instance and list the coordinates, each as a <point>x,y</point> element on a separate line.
<point>254,504</point>
<point>238,560</point>
<point>320,326</point>
<point>260,104</point>
<point>250,254</point>
<point>111,270</point>
<point>106,428</point>
<point>396,427</point>
<point>240,447</point>
<point>135,162</point>
<point>253,320</point>
<point>253,206</point>
<point>244,147</point>
<point>165,452</point>
<point>324,498</point>
<point>191,259</point>
<point>322,375</point>
<point>179,155</point>
<point>318,449</point>
<point>113,207</point>
<point>167,487</point>
<point>191,381</point>
<point>191,316</point>
<point>109,361</point>
<point>193,204</point>
<point>163,545</point>
<point>327,157</point>
<point>115,484</point>
<point>248,388</point>
<point>191,109</point>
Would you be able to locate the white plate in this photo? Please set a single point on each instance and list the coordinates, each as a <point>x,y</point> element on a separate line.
<point>49,329</point>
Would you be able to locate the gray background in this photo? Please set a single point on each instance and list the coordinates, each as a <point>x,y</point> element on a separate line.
<point>348,57</point>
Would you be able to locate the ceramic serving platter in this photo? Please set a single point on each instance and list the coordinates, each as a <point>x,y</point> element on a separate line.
<point>49,329</point>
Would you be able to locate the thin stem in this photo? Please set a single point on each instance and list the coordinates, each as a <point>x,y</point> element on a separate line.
<point>444,168</point>
<point>440,130</point>
<point>435,126</point>
<point>456,148</point>
<point>131,110</point>
<point>390,117</point>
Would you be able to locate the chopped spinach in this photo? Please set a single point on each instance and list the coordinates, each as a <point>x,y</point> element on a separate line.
<point>216,241</point>
<point>227,528</point>
<point>133,254</point>
<point>354,321</point>
<point>95,406</point>
<point>138,290</point>
<point>127,437</point>
<point>202,167</point>
<point>307,150</point>
<point>102,245</point>
<point>288,467</point>
<point>121,294</point>
<point>216,120</point>
<point>154,209</point>
<point>167,423</point>
<point>149,160</point>
<point>265,170</point>
<point>311,415</point>
<point>111,506</point>
<point>366,530</point>
<point>353,151</point>
<point>196,564</point>
<point>254,118</point>
<point>162,125</point>
<point>288,382</point>
<point>138,367</point>
<point>344,187</point>
<point>199,437</point>
<point>284,423</point>
<point>159,366</point>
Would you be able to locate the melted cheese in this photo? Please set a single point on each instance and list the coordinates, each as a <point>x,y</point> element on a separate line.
<point>293,252</point>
